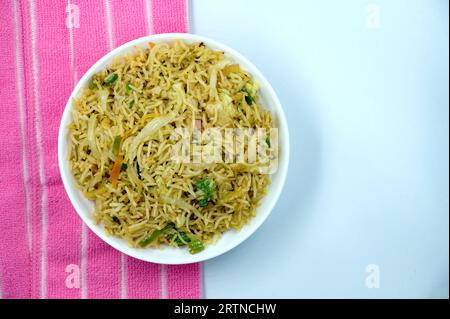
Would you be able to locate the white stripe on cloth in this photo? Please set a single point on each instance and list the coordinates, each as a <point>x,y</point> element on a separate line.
<point>83,261</point>
<point>1,287</point>
<point>20,95</point>
<point>83,253</point>
<point>37,118</point>
<point>189,23</point>
<point>148,13</point>
<point>201,275</point>
<point>109,24</point>
<point>163,278</point>
<point>123,277</point>
<point>72,50</point>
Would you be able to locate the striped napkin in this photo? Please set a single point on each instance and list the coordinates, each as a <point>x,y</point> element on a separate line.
<point>46,251</point>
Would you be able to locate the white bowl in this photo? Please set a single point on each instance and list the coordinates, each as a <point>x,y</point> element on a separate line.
<point>230,239</point>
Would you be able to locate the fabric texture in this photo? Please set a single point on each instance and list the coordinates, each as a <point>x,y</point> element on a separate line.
<point>46,251</point>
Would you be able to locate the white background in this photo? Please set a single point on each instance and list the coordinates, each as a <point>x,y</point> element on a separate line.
<point>368,119</point>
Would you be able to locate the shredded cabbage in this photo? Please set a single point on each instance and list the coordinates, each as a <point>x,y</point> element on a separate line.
<point>148,131</point>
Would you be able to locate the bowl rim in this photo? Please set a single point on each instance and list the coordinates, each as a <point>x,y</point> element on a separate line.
<point>282,165</point>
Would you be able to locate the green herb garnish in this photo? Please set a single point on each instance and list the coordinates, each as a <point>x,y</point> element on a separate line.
<point>203,202</point>
<point>268,141</point>
<point>195,246</point>
<point>147,240</point>
<point>181,239</point>
<point>207,188</point>
<point>110,79</point>
<point>128,88</point>
<point>248,97</point>
<point>124,166</point>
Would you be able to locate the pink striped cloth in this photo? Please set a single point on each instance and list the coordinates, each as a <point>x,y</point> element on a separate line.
<point>46,251</point>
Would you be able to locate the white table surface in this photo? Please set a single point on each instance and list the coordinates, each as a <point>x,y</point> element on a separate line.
<point>367,105</point>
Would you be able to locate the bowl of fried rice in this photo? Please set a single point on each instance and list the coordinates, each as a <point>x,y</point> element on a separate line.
<point>173,148</point>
